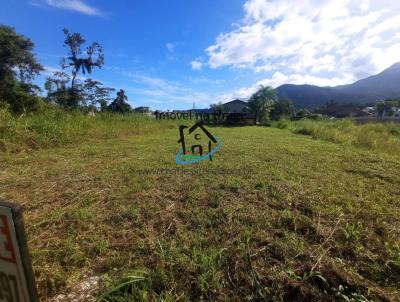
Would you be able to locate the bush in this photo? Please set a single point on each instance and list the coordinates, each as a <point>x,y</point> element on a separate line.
<point>282,124</point>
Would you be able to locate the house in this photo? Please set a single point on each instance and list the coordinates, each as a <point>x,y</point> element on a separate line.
<point>197,141</point>
<point>240,119</point>
<point>238,113</point>
<point>396,112</point>
<point>236,106</point>
<point>369,110</point>
<point>142,109</point>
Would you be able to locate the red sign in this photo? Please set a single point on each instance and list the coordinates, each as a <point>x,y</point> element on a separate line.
<point>6,247</point>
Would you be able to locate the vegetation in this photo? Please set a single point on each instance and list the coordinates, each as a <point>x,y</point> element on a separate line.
<point>51,128</point>
<point>384,138</point>
<point>18,66</point>
<point>94,55</point>
<point>323,228</point>
<point>261,103</point>
<point>312,215</point>
<point>119,104</point>
<point>267,107</point>
<point>384,108</point>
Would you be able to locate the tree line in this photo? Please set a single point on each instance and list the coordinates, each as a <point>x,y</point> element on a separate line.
<point>69,88</point>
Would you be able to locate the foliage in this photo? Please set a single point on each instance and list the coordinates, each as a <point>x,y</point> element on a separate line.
<point>261,103</point>
<point>95,93</point>
<point>51,127</point>
<point>385,108</point>
<point>88,94</point>
<point>120,105</point>
<point>219,106</point>
<point>16,56</point>
<point>17,61</point>
<point>283,108</point>
<point>94,55</point>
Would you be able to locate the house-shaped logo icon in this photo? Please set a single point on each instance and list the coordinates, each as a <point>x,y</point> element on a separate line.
<point>197,144</point>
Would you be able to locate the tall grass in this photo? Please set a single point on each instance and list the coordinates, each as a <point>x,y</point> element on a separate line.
<point>384,137</point>
<point>51,128</point>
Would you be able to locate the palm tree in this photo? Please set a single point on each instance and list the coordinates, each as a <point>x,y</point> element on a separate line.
<point>94,55</point>
<point>260,103</point>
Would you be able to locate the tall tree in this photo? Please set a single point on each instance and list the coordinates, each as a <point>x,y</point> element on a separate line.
<point>260,103</point>
<point>119,104</point>
<point>95,93</point>
<point>18,66</point>
<point>16,56</point>
<point>79,60</point>
<point>282,108</point>
<point>58,90</point>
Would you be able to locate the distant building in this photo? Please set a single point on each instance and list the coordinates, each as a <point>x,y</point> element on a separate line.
<point>238,113</point>
<point>236,106</point>
<point>142,109</point>
<point>369,110</point>
<point>241,119</point>
<point>396,112</point>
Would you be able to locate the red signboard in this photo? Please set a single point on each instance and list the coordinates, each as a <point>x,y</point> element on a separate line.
<point>6,246</point>
<point>17,282</point>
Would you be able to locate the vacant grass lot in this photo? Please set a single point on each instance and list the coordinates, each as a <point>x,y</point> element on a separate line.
<point>314,221</point>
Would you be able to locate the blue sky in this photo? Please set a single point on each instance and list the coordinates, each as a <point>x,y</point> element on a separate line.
<point>169,54</point>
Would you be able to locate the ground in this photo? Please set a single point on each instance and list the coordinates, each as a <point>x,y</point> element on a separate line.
<point>305,219</point>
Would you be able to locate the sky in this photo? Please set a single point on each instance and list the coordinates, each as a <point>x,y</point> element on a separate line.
<point>178,54</point>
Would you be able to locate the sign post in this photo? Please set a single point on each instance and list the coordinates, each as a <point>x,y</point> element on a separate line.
<point>17,281</point>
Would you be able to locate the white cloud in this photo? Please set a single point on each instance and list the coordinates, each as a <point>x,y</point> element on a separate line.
<point>311,41</point>
<point>73,5</point>
<point>196,64</point>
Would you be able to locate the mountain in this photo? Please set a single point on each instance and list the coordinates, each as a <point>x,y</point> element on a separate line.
<point>378,87</point>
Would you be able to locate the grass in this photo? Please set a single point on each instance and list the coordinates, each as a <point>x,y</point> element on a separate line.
<point>52,128</point>
<point>379,136</point>
<point>314,221</point>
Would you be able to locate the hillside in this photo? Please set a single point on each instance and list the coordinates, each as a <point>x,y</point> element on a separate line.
<point>378,87</point>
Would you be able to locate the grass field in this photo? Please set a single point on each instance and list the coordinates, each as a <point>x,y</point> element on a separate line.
<point>314,220</point>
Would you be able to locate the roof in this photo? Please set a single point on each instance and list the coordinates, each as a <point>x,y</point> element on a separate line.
<point>236,101</point>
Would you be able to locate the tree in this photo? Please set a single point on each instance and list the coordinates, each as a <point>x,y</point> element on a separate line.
<point>94,93</point>
<point>221,109</point>
<point>18,66</point>
<point>16,57</point>
<point>93,56</point>
<point>119,104</point>
<point>260,103</point>
<point>386,108</point>
<point>60,93</point>
<point>302,113</point>
<point>282,108</point>
<point>219,106</point>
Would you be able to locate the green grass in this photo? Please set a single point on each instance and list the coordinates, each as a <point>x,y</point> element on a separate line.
<point>380,137</point>
<point>314,221</point>
<point>51,128</point>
